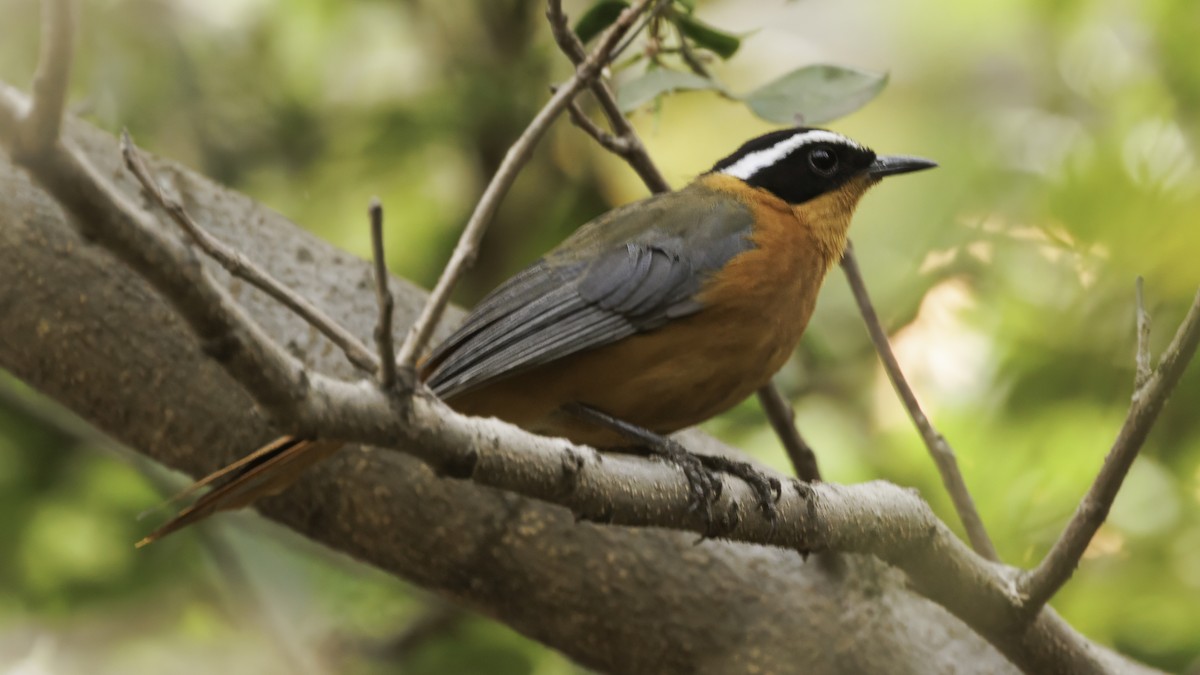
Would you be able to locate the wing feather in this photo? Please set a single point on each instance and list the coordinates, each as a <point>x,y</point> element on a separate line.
<point>619,275</point>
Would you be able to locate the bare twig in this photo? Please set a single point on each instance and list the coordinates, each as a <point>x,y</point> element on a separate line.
<point>109,217</point>
<point>647,20</point>
<point>635,153</point>
<point>468,243</point>
<point>1044,581</point>
<point>625,143</point>
<point>618,145</point>
<point>42,121</point>
<point>1143,340</point>
<point>779,411</point>
<point>383,296</point>
<point>939,449</point>
<point>243,268</point>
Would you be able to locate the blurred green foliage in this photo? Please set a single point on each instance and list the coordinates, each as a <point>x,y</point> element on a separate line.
<point>1067,135</point>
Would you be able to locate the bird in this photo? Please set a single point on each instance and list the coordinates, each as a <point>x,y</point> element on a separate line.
<point>650,318</point>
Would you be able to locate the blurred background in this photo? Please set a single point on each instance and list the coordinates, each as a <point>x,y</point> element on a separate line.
<point>1067,134</point>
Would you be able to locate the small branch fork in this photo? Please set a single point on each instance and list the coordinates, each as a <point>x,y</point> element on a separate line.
<point>939,449</point>
<point>241,267</point>
<point>1149,397</point>
<point>879,519</point>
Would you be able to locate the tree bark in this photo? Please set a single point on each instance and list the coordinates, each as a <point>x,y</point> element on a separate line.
<point>89,333</point>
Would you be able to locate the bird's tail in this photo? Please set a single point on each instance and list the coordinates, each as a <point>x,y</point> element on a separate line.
<point>264,472</point>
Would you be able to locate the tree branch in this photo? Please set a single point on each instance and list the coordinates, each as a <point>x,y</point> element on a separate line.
<point>1148,400</point>
<point>109,217</point>
<point>41,122</point>
<point>939,449</point>
<point>383,297</point>
<point>243,268</point>
<point>783,419</point>
<point>635,152</point>
<point>468,243</point>
<point>618,145</point>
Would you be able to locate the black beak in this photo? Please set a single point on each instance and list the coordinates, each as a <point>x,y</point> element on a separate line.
<point>891,165</point>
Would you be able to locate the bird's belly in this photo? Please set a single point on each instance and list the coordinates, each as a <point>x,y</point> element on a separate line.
<point>665,380</point>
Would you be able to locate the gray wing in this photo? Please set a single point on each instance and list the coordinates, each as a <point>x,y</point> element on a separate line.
<point>576,299</point>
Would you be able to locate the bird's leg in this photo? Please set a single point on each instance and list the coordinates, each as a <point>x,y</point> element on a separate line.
<point>704,486</point>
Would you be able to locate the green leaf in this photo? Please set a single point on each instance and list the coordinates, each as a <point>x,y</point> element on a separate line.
<point>815,94</point>
<point>654,83</point>
<point>703,35</point>
<point>600,16</point>
<point>688,5</point>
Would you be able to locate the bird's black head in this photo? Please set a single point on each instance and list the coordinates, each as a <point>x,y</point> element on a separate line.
<point>799,164</point>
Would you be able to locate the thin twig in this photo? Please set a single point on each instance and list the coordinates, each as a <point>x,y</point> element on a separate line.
<point>636,156</point>
<point>939,449</point>
<point>1143,340</point>
<point>783,419</point>
<point>468,243</point>
<point>383,295</point>
<point>243,268</point>
<point>626,144</point>
<point>1044,581</point>
<point>659,6</point>
<point>618,145</point>
<point>42,121</point>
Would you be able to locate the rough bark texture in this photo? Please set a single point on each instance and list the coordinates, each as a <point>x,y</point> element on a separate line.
<point>87,332</point>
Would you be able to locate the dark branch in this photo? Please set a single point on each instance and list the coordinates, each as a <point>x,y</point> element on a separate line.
<point>383,297</point>
<point>635,154</point>
<point>618,145</point>
<point>939,449</point>
<point>779,411</point>
<point>1056,568</point>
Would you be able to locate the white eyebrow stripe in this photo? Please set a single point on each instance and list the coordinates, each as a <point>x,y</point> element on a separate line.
<point>754,162</point>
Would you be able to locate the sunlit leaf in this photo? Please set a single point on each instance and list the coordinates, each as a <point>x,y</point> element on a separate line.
<point>600,16</point>
<point>703,35</point>
<point>654,83</point>
<point>815,94</point>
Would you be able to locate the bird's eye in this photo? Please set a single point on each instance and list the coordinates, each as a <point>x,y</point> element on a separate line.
<point>823,161</point>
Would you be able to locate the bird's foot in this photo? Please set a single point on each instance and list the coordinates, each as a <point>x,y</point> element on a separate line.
<point>767,490</point>
<point>704,488</point>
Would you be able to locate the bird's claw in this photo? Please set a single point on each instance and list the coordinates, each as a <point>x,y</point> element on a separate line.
<point>767,490</point>
<point>704,488</point>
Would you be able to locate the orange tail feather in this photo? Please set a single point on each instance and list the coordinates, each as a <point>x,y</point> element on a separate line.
<point>266,471</point>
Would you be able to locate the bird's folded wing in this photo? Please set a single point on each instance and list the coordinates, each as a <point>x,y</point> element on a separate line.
<point>618,276</point>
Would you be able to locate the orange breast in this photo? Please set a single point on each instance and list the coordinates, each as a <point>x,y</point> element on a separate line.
<point>755,310</point>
